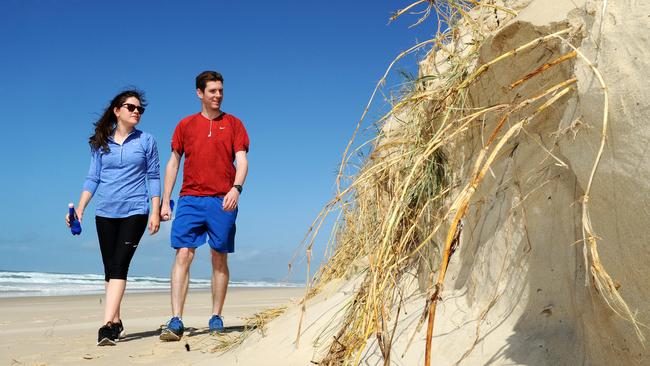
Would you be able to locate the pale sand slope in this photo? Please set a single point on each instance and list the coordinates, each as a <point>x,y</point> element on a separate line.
<point>63,330</point>
<point>518,290</point>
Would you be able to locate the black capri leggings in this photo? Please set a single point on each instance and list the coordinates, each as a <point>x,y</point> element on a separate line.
<point>118,240</point>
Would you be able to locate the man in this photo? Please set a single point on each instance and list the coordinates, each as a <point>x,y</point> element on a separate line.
<point>210,141</point>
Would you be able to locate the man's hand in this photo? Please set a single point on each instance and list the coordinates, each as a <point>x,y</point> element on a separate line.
<point>230,199</point>
<point>165,211</point>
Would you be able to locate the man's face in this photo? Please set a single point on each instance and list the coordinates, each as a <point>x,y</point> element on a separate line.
<point>212,96</point>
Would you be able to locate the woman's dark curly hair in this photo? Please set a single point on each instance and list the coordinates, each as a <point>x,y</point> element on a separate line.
<point>107,122</point>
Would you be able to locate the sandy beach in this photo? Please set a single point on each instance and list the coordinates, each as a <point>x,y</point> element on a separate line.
<point>63,330</point>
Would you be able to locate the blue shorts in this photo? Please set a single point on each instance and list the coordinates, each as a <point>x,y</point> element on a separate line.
<point>197,216</point>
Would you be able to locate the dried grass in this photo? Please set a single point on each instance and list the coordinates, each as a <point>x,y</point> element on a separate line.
<point>405,191</point>
<point>224,342</point>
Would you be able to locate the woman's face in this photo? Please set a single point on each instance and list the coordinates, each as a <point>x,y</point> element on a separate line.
<point>129,112</point>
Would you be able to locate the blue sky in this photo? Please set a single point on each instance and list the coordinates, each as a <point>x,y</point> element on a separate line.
<point>298,74</point>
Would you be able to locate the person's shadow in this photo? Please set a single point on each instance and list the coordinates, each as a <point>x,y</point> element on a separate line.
<point>192,332</point>
<point>237,328</point>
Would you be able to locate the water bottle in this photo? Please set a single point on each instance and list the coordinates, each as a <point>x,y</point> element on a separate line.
<point>75,225</point>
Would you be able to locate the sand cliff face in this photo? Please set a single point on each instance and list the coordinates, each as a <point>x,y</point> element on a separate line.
<point>521,287</point>
<point>520,265</point>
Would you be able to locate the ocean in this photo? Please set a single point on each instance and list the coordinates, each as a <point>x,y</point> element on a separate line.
<point>18,284</point>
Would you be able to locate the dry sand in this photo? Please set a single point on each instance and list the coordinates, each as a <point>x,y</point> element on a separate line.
<point>63,330</point>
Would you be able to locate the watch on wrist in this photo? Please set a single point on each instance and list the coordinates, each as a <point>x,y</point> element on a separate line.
<point>238,187</point>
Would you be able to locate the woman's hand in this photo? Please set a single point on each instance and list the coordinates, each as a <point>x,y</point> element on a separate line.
<point>154,224</point>
<point>79,215</point>
<point>154,218</point>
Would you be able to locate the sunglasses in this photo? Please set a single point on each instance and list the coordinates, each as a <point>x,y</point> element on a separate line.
<point>132,107</point>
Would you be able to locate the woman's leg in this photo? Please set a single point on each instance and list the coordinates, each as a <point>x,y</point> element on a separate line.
<point>114,292</point>
<point>130,232</point>
<point>117,316</point>
<point>107,233</point>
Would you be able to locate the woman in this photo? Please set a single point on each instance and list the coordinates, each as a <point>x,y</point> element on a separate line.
<point>123,160</point>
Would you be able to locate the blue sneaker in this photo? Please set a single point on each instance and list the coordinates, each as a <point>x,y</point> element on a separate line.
<point>173,331</point>
<point>216,324</point>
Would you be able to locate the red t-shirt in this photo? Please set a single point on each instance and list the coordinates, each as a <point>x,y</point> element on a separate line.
<point>209,147</point>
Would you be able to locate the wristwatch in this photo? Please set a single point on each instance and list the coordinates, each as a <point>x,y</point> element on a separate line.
<point>238,187</point>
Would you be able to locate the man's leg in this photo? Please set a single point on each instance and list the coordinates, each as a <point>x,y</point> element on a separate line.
<point>220,277</point>
<point>181,279</point>
<point>221,229</point>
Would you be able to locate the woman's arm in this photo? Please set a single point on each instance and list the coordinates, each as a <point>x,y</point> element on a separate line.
<point>154,218</point>
<point>90,186</point>
<point>81,206</point>
<point>83,203</point>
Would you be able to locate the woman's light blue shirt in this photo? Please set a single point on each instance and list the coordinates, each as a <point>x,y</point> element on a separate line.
<point>118,178</point>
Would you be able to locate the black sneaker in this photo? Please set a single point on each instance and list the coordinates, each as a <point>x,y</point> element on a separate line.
<point>106,335</point>
<point>118,329</point>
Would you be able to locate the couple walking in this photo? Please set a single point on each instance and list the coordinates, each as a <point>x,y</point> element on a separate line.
<point>124,177</point>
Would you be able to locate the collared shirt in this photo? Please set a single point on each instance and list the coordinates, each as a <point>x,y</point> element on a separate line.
<point>118,178</point>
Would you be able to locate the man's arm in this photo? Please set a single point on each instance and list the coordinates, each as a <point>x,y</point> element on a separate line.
<point>171,172</point>
<point>232,197</point>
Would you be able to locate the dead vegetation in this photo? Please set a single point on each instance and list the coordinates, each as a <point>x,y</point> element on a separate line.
<point>407,194</point>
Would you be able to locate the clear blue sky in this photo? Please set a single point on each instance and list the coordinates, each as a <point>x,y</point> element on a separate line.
<point>297,73</point>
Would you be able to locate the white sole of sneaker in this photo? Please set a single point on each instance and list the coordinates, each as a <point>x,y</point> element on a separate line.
<point>106,342</point>
<point>169,336</point>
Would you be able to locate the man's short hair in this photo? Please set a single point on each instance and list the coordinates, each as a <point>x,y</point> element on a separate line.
<point>203,78</point>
